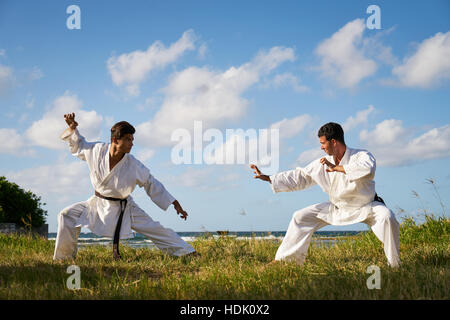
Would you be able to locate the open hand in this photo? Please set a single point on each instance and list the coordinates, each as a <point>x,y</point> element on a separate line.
<point>70,120</point>
<point>258,174</point>
<point>331,167</point>
<point>183,214</point>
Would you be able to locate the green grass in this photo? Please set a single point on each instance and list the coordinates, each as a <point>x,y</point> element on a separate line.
<point>234,269</point>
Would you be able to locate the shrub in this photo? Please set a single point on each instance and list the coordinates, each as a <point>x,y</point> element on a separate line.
<point>20,206</point>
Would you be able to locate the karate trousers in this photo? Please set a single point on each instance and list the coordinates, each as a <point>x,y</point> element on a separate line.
<point>304,223</point>
<point>67,237</point>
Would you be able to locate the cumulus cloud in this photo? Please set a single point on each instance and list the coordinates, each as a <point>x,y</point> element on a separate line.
<point>310,155</point>
<point>288,79</point>
<point>428,66</point>
<point>342,56</point>
<point>131,69</point>
<point>46,131</point>
<point>258,147</point>
<point>394,145</point>
<point>386,132</point>
<point>360,118</point>
<point>11,142</point>
<point>291,127</point>
<point>60,179</point>
<point>213,97</point>
<point>145,154</point>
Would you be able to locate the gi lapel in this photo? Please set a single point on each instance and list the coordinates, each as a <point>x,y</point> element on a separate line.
<point>114,170</point>
<point>335,176</point>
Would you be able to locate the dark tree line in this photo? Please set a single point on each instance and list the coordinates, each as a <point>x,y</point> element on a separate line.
<point>19,206</point>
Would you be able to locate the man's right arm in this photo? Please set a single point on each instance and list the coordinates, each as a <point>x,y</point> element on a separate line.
<point>70,120</point>
<point>77,143</point>
<point>259,175</point>
<point>286,181</point>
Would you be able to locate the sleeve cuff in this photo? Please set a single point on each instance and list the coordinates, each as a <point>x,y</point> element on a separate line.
<point>272,183</point>
<point>170,200</point>
<point>67,134</point>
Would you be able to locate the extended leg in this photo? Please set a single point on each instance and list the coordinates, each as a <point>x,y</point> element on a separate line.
<point>386,228</point>
<point>67,237</point>
<point>303,224</point>
<point>165,239</point>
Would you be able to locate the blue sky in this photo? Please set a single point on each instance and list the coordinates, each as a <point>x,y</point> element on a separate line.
<point>292,65</point>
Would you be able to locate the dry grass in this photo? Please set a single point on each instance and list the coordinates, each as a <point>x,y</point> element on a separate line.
<point>234,269</point>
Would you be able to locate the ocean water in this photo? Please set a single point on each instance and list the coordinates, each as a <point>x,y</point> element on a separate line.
<point>140,241</point>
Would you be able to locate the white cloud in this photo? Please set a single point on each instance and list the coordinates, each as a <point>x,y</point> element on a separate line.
<point>46,131</point>
<point>289,79</point>
<point>214,97</point>
<point>429,65</point>
<point>387,132</point>
<point>310,155</point>
<point>131,69</point>
<point>145,154</point>
<point>291,127</point>
<point>11,142</point>
<point>360,118</point>
<point>342,56</point>
<point>60,179</point>
<point>394,145</point>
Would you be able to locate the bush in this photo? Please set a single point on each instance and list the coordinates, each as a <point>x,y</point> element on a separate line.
<point>20,206</point>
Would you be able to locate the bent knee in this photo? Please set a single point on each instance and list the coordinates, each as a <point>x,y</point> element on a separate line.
<point>301,216</point>
<point>384,213</point>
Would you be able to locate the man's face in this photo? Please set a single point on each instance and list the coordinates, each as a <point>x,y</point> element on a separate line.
<point>125,143</point>
<point>327,146</point>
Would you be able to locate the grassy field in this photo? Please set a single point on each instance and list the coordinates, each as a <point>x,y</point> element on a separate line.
<point>234,269</point>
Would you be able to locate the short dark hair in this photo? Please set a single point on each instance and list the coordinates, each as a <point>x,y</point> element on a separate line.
<point>120,129</point>
<point>332,130</point>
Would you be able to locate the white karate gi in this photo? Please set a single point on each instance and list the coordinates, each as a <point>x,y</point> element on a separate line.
<point>100,215</point>
<point>351,201</point>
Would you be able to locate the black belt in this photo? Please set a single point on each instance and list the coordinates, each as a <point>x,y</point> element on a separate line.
<point>379,199</point>
<point>116,253</point>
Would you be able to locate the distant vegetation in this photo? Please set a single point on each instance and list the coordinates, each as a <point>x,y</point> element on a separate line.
<point>19,206</point>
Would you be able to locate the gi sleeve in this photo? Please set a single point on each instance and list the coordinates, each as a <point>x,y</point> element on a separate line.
<point>154,189</point>
<point>361,165</point>
<point>77,144</point>
<point>291,180</point>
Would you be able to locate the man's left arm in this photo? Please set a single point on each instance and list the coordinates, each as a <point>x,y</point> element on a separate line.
<point>157,192</point>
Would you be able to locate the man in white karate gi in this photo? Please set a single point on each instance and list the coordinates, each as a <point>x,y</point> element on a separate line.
<point>346,175</point>
<point>112,212</point>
